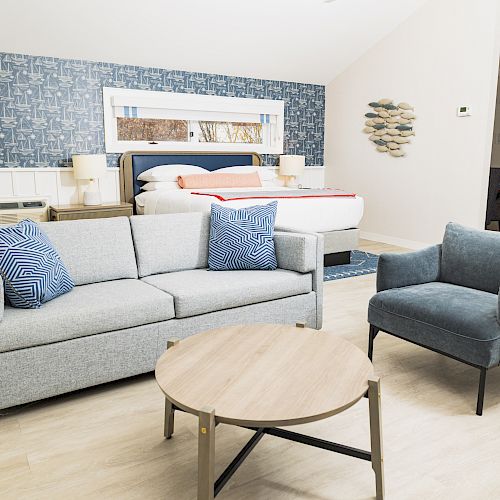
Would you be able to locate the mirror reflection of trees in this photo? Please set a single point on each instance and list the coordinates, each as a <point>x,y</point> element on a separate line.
<point>150,129</point>
<point>232,132</point>
<point>154,129</point>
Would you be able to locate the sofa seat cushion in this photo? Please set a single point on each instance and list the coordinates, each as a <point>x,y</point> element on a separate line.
<point>86,310</point>
<point>202,291</point>
<point>456,320</point>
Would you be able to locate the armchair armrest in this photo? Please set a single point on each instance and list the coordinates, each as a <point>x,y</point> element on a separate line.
<point>396,270</point>
<point>498,308</point>
<point>303,253</point>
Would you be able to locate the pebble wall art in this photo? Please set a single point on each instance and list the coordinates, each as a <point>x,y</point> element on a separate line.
<point>390,126</point>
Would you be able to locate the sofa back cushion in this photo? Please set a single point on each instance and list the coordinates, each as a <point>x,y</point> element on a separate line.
<point>471,258</point>
<point>94,250</point>
<point>170,242</point>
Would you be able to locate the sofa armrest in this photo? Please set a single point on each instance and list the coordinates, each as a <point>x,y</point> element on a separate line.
<point>303,253</point>
<point>296,251</point>
<point>396,270</point>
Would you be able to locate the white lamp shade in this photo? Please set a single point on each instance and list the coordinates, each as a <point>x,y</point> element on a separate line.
<point>89,166</point>
<point>292,164</point>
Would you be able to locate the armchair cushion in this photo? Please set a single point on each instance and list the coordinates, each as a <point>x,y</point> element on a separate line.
<point>397,270</point>
<point>458,321</point>
<point>471,258</point>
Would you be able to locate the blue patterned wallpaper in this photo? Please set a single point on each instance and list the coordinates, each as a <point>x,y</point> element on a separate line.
<point>51,108</point>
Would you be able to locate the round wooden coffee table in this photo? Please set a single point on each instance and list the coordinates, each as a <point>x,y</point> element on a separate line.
<point>261,377</point>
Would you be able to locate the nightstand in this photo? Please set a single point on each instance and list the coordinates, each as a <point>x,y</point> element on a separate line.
<point>73,212</point>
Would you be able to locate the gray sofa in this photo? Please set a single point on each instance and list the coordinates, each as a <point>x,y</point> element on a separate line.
<point>140,282</point>
<point>444,298</point>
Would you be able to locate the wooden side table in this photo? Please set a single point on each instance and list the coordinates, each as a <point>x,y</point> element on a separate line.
<point>74,212</point>
<point>263,377</point>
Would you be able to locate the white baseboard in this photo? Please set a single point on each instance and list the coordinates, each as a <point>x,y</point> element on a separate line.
<point>391,240</point>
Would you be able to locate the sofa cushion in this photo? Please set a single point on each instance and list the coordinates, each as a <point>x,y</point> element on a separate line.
<point>456,320</point>
<point>30,266</point>
<point>94,250</point>
<point>242,238</point>
<point>471,257</point>
<point>170,242</point>
<point>86,310</point>
<point>201,291</point>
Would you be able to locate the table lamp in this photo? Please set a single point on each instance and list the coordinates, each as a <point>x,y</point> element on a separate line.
<point>291,166</point>
<point>90,167</point>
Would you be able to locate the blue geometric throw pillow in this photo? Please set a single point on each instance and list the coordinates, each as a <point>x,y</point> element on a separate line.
<point>243,238</point>
<point>32,271</point>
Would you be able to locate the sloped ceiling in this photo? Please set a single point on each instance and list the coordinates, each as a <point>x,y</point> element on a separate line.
<point>307,41</point>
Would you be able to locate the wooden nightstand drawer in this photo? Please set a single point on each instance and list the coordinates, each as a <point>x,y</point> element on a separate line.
<point>75,212</point>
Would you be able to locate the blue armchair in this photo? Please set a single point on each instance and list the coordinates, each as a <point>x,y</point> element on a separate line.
<point>444,298</point>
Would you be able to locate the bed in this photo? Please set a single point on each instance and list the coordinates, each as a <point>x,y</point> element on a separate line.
<point>336,218</point>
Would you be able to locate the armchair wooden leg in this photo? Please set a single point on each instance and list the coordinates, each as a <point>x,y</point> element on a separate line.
<point>480,394</point>
<point>371,337</point>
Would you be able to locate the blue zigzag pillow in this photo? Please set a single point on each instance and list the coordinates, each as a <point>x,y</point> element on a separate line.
<point>32,271</point>
<point>243,238</point>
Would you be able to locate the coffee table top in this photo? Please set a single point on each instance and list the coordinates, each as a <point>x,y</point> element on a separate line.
<point>264,375</point>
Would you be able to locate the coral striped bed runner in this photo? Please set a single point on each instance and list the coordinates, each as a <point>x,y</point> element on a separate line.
<point>281,194</point>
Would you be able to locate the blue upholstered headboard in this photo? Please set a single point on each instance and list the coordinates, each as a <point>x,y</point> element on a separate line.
<point>135,162</point>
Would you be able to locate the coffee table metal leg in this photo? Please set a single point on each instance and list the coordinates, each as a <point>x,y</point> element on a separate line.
<point>206,454</point>
<point>376,435</point>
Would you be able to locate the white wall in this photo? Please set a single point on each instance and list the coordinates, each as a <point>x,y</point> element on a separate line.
<point>279,40</point>
<point>444,56</point>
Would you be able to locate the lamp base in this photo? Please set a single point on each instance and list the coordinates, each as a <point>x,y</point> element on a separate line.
<point>92,198</point>
<point>291,181</point>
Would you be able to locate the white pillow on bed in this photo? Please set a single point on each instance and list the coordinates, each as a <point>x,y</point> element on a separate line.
<point>169,173</point>
<point>160,186</point>
<point>265,174</point>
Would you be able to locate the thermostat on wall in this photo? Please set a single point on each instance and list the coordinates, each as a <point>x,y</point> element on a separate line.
<point>463,111</point>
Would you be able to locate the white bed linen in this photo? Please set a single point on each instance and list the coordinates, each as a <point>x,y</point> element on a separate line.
<point>294,214</point>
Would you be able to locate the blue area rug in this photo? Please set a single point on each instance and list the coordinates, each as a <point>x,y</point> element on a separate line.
<point>361,263</point>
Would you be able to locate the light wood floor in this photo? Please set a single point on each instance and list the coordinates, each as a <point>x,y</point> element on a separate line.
<point>107,442</point>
